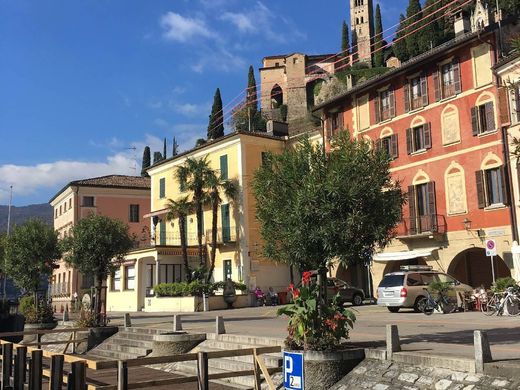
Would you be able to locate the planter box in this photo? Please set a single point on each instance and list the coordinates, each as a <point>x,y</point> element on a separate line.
<point>191,304</point>
<point>323,369</point>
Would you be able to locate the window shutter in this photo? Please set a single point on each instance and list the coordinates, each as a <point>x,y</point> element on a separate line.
<point>481,193</point>
<point>224,167</point>
<point>407,97</point>
<point>392,103</point>
<point>377,108</point>
<point>503,106</point>
<point>379,144</point>
<point>409,146</point>
<point>490,116</point>
<point>437,85</point>
<point>427,135</point>
<point>432,207</point>
<point>517,103</point>
<point>505,187</point>
<point>411,206</point>
<point>456,75</point>
<point>424,89</point>
<point>394,150</point>
<point>474,120</point>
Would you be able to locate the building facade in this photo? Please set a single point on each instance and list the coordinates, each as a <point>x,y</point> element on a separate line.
<point>126,198</point>
<point>238,256</point>
<point>438,117</point>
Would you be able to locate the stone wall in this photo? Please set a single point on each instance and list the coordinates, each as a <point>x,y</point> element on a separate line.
<point>387,375</point>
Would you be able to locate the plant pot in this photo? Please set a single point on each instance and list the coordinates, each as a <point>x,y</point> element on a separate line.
<point>175,343</point>
<point>230,299</point>
<point>32,338</point>
<point>323,369</point>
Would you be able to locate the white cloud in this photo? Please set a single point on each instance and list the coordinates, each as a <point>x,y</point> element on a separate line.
<point>220,59</point>
<point>240,20</point>
<point>179,28</point>
<point>190,109</point>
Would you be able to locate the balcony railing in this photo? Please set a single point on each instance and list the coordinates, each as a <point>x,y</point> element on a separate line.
<point>174,239</point>
<point>386,114</point>
<point>421,225</point>
<point>417,103</point>
<point>59,289</point>
<point>448,90</point>
<point>224,235</point>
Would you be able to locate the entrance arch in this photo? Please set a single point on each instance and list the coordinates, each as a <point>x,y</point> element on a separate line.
<point>276,96</point>
<point>473,267</point>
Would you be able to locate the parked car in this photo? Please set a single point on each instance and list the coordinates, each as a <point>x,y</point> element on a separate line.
<point>346,292</point>
<point>405,288</point>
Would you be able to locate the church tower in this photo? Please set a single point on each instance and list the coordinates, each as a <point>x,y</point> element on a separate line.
<point>362,27</point>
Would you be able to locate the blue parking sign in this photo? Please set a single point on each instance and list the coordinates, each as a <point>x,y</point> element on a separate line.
<point>293,371</point>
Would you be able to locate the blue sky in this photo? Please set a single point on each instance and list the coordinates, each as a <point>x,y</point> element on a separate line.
<point>83,81</point>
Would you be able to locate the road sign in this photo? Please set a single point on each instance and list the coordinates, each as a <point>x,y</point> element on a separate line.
<point>293,371</point>
<point>491,248</point>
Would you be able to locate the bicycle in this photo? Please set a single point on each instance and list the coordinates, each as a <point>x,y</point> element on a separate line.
<point>496,303</point>
<point>429,304</point>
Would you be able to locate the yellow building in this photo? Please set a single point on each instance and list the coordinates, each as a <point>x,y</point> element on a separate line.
<point>238,255</point>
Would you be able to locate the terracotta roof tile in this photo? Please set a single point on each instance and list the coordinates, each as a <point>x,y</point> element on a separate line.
<point>114,181</point>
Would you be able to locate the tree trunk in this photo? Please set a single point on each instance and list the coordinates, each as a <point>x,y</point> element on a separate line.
<point>214,219</point>
<point>198,203</point>
<point>184,247</point>
<point>291,273</point>
<point>98,280</point>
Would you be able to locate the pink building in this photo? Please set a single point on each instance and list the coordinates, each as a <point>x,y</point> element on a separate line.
<point>126,198</point>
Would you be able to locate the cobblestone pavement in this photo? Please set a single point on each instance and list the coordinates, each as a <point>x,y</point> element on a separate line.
<point>446,334</point>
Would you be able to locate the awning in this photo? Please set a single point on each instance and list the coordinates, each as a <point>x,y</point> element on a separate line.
<point>404,255</point>
<point>156,213</point>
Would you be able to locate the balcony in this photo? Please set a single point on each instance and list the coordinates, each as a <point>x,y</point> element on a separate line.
<point>421,226</point>
<point>174,239</point>
<point>59,289</point>
<point>224,235</point>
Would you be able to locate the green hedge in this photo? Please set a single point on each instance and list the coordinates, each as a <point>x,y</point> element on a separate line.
<point>195,288</point>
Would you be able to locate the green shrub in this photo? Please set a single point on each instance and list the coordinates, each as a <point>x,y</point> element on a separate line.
<point>87,319</point>
<point>440,287</point>
<point>43,314</point>
<point>238,286</point>
<point>501,284</point>
<point>26,305</point>
<point>194,289</point>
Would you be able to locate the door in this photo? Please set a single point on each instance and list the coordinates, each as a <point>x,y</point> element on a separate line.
<point>227,270</point>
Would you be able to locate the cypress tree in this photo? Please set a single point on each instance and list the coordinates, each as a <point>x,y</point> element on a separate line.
<point>345,44</point>
<point>157,156</point>
<point>175,148</point>
<point>413,13</point>
<point>399,46</point>
<point>164,149</point>
<point>251,98</point>
<point>378,39</point>
<point>216,119</point>
<point>146,161</point>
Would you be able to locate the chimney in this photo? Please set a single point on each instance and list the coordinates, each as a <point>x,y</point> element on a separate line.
<point>462,23</point>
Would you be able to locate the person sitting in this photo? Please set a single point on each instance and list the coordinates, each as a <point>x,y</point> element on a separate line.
<point>260,296</point>
<point>272,297</point>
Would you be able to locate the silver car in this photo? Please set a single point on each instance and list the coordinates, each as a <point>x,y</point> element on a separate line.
<point>405,288</point>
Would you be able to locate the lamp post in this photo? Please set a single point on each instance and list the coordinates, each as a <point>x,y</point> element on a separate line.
<point>8,231</point>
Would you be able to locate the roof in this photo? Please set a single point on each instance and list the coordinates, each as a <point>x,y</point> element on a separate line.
<point>215,142</point>
<point>110,181</point>
<point>405,67</point>
<point>504,61</point>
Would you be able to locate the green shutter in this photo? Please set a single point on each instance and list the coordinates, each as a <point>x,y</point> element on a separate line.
<point>162,188</point>
<point>162,233</point>
<point>226,229</point>
<point>223,167</point>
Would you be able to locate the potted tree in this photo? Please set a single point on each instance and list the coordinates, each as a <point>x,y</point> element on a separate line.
<point>30,253</point>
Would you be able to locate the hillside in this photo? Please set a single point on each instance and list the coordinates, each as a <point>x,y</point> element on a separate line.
<point>23,213</point>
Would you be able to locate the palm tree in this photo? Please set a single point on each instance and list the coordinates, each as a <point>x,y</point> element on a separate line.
<point>179,209</point>
<point>218,186</point>
<point>192,176</point>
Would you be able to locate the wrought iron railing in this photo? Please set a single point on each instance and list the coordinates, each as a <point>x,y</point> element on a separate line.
<point>420,225</point>
<point>59,289</point>
<point>224,235</point>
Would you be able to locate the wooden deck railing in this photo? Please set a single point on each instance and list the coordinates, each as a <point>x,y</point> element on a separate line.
<point>25,364</point>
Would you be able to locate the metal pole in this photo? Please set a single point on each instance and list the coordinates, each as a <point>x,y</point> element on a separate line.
<point>8,231</point>
<point>369,282</point>
<point>493,267</point>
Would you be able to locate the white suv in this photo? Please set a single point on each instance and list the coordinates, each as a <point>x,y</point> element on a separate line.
<point>406,287</point>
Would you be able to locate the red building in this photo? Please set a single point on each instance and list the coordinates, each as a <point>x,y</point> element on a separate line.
<point>438,116</point>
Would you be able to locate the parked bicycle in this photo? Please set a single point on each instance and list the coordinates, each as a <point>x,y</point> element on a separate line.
<point>441,302</point>
<point>498,303</point>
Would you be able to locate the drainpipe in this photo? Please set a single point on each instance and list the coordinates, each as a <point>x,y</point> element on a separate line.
<point>512,206</point>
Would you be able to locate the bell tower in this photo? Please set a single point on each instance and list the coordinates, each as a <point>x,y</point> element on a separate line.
<point>362,28</point>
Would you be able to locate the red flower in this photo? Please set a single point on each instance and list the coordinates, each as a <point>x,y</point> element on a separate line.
<point>331,324</point>
<point>306,277</point>
<point>296,293</point>
<point>290,288</point>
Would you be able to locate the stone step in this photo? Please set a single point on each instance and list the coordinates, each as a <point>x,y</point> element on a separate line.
<point>114,355</point>
<point>129,342</point>
<point>246,340</point>
<point>150,331</point>
<point>135,336</point>
<point>139,351</point>
<point>217,344</point>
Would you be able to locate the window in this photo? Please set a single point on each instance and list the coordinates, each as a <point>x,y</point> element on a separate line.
<point>447,80</point>
<point>389,145</point>
<point>491,187</point>
<point>418,138</point>
<point>162,187</point>
<point>422,207</point>
<point>335,124</point>
<point>227,269</point>
<point>130,277</point>
<point>226,228</point>
<point>65,207</point>
<point>116,280</point>
<point>61,209</point>
<point>224,167</point>
<point>56,213</point>
<point>416,93</point>
<point>70,203</point>
<point>162,233</point>
<point>483,118</point>
<point>149,276</point>
<point>134,213</point>
<point>385,105</point>
<point>88,201</point>
<point>170,273</point>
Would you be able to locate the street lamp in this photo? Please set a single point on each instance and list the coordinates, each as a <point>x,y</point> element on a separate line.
<point>467,223</point>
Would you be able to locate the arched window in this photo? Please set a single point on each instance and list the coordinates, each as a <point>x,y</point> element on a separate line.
<point>491,182</point>
<point>450,125</point>
<point>276,96</point>
<point>357,20</point>
<point>454,180</point>
<point>362,19</point>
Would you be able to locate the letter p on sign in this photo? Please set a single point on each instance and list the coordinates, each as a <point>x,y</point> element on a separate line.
<point>293,371</point>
